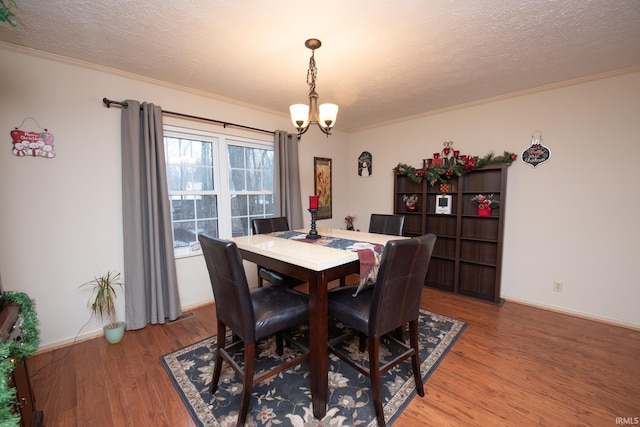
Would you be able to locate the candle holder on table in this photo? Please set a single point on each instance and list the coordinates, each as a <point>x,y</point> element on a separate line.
<point>313,233</point>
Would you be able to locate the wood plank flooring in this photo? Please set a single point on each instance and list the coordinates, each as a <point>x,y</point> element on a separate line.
<point>514,365</point>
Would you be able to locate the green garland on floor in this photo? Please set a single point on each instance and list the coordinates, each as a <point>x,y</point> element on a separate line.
<point>12,352</point>
<point>460,167</point>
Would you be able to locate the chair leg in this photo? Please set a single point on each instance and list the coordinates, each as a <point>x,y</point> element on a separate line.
<point>259,278</point>
<point>247,384</point>
<point>362,342</point>
<point>217,369</point>
<point>415,358</point>
<point>398,333</point>
<point>374,376</point>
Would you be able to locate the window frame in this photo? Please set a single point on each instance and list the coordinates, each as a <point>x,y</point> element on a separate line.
<point>220,154</point>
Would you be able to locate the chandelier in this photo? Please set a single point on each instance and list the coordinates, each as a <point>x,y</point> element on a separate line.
<point>304,115</point>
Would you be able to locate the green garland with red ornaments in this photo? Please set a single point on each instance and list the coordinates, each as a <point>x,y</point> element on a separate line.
<point>13,352</point>
<point>459,167</point>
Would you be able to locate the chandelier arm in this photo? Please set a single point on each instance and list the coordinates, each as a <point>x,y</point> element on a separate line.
<point>326,131</point>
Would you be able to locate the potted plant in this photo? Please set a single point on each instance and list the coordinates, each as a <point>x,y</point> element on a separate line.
<point>485,203</point>
<point>102,304</point>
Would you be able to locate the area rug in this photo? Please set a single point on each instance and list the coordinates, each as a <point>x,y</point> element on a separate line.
<point>285,400</point>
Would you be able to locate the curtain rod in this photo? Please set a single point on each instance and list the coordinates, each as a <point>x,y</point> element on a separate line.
<point>123,104</point>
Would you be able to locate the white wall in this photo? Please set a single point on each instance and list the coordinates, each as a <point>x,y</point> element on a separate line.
<point>574,218</point>
<point>60,222</point>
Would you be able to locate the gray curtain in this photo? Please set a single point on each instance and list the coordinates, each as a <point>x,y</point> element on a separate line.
<point>287,179</point>
<point>151,284</point>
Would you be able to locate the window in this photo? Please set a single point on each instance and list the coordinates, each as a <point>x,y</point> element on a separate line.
<point>217,185</point>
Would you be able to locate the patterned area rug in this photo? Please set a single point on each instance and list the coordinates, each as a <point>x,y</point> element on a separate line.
<point>285,400</point>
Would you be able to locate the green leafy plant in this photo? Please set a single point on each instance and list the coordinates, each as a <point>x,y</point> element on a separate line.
<point>16,351</point>
<point>6,15</point>
<point>460,167</point>
<point>103,300</point>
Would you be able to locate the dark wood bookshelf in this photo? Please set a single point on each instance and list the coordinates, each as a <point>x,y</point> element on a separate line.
<point>467,258</point>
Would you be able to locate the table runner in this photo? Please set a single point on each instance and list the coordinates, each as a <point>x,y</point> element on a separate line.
<point>369,254</point>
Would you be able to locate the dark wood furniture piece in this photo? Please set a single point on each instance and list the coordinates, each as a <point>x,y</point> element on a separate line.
<point>251,316</point>
<point>19,378</point>
<point>387,306</point>
<point>317,265</point>
<point>467,259</point>
<point>386,224</point>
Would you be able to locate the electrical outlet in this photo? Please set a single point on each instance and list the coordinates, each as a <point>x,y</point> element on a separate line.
<point>557,286</point>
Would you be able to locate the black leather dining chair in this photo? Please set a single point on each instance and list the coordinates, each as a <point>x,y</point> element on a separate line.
<point>386,224</point>
<point>251,316</point>
<point>270,225</point>
<point>386,307</point>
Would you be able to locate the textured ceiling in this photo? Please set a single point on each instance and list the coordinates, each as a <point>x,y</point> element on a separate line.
<point>380,60</point>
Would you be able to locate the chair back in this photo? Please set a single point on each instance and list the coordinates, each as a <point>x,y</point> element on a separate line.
<point>270,225</point>
<point>386,224</point>
<point>396,293</point>
<point>230,288</point>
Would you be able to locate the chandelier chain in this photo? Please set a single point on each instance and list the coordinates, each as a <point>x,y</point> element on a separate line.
<point>312,73</point>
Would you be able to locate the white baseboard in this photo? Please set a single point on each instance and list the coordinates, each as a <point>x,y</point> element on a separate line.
<point>576,313</point>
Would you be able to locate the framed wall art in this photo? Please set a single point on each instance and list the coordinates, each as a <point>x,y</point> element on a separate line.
<point>322,186</point>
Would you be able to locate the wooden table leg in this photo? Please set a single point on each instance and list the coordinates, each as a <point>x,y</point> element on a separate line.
<point>318,337</point>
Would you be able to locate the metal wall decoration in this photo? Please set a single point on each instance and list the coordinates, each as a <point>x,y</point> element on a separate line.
<point>322,186</point>
<point>365,166</point>
<point>32,144</point>
<point>537,153</point>
<point>447,158</point>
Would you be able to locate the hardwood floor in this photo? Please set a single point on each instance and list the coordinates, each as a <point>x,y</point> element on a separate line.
<point>514,365</point>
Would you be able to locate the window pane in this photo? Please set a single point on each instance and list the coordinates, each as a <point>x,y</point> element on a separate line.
<point>238,206</point>
<point>184,233</point>
<point>268,205</point>
<point>236,156</point>
<point>256,205</point>
<point>204,177</point>
<point>182,209</point>
<point>189,164</point>
<point>207,207</point>
<point>174,176</point>
<point>209,227</point>
<point>236,180</point>
<point>254,179</point>
<point>267,181</point>
<point>239,227</point>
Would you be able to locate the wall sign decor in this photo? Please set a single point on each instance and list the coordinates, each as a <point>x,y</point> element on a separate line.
<point>322,186</point>
<point>364,164</point>
<point>537,153</point>
<point>32,144</point>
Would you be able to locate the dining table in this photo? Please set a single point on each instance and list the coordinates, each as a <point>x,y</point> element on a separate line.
<point>318,265</point>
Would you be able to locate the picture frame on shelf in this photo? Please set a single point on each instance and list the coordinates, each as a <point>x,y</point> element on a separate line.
<point>443,204</point>
<point>322,186</point>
